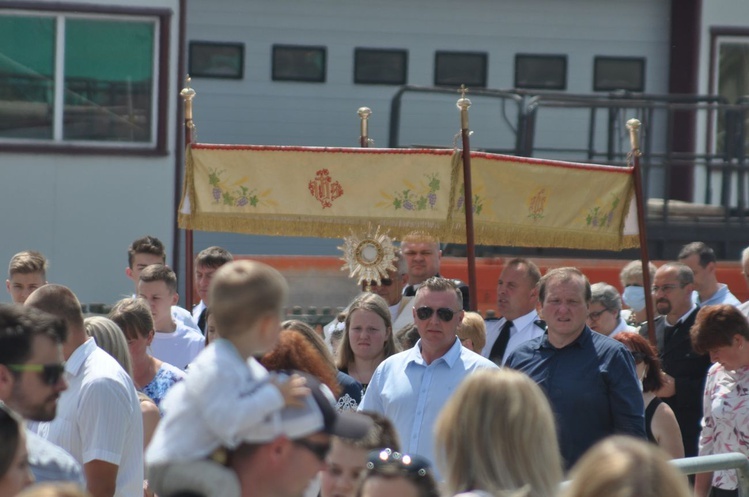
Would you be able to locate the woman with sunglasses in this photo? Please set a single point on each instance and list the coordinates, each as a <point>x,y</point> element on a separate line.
<point>15,474</point>
<point>391,474</point>
<point>660,422</point>
<point>484,457</point>
<point>723,332</point>
<point>368,338</point>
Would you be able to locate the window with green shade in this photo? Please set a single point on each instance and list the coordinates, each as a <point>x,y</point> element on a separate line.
<point>83,79</point>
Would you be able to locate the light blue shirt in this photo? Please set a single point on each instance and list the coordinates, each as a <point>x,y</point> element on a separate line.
<point>722,296</point>
<point>411,393</point>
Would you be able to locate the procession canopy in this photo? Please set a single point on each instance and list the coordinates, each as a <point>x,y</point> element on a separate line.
<point>325,192</point>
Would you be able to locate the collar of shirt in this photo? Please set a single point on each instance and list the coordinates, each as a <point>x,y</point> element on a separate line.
<point>523,321</point>
<point>449,358</point>
<point>682,318</point>
<point>582,340</point>
<point>78,357</point>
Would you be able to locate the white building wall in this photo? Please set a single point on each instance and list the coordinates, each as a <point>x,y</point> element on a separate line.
<point>82,211</point>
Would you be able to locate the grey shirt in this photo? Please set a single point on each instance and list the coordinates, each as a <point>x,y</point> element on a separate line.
<point>50,463</point>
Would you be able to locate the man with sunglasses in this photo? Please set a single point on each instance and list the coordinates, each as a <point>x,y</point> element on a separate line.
<point>411,387</point>
<point>684,370</point>
<point>31,381</point>
<point>285,453</point>
<point>99,419</point>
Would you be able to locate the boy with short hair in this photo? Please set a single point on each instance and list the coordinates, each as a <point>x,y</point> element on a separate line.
<point>207,263</point>
<point>27,271</point>
<point>226,393</point>
<point>173,342</point>
<point>144,252</point>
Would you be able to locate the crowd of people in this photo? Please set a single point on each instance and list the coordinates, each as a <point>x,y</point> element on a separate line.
<point>405,393</point>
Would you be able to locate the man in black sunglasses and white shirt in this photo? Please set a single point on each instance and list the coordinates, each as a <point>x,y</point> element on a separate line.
<point>411,387</point>
<point>31,381</point>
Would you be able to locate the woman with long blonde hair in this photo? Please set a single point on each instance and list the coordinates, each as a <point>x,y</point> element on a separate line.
<point>505,443</point>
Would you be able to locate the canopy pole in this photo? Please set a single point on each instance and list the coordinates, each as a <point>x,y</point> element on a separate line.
<point>364,113</point>
<point>463,104</point>
<point>187,95</point>
<point>634,162</point>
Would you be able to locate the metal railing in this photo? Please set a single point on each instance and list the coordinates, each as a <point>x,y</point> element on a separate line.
<point>704,464</point>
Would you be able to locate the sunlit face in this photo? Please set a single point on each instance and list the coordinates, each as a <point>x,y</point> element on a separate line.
<point>367,334</point>
<point>564,308</point>
<point>303,466</point>
<point>380,486</point>
<point>422,259</point>
<point>140,262</point>
<point>31,396</point>
<point>138,347</point>
<point>701,274</point>
<point>344,467</point>
<point>745,270</point>
<point>669,295</point>
<point>160,299</point>
<point>516,293</point>
<point>437,336</point>
<point>602,320</point>
<point>18,475</point>
<point>203,277</point>
<point>210,330</point>
<point>392,291</point>
<point>729,356</point>
<point>20,285</point>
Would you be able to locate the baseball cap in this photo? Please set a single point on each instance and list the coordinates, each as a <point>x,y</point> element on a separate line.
<point>318,414</point>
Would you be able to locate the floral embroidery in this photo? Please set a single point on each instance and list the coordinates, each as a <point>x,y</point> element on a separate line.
<point>537,204</point>
<point>602,216</point>
<point>236,195</point>
<point>413,197</point>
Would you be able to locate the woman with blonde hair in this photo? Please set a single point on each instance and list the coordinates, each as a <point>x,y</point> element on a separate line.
<point>622,466</point>
<point>505,442</point>
<point>368,339</point>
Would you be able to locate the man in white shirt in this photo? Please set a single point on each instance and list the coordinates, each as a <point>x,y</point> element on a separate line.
<point>173,343</point>
<point>207,263</point>
<point>517,297</point>
<point>142,253</point>
<point>98,420</point>
<point>707,290</point>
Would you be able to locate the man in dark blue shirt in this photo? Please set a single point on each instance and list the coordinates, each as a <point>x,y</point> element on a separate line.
<point>589,378</point>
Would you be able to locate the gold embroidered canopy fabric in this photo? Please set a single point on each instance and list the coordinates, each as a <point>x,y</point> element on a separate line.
<point>325,192</point>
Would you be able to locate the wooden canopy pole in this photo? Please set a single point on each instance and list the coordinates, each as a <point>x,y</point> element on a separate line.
<point>463,104</point>
<point>634,162</point>
<point>187,95</point>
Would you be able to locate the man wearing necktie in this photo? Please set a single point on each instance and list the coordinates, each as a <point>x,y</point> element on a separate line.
<point>684,370</point>
<point>517,297</point>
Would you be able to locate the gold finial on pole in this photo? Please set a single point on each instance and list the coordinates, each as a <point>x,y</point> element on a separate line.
<point>187,95</point>
<point>463,104</point>
<point>364,113</point>
<point>633,125</point>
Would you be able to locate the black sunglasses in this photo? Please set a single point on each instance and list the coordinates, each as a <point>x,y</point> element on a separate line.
<point>320,450</point>
<point>443,313</point>
<point>383,282</point>
<point>51,373</point>
<point>387,459</point>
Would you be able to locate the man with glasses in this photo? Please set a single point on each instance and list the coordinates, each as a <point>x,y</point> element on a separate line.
<point>99,420</point>
<point>589,379</point>
<point>282,455</point>
<point>411,387</point>
<point>31,381</point>
<point>685,370</point>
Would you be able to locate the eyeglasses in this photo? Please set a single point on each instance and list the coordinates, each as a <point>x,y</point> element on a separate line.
<point>320,450</point>
<point>383,282</point>
<point>595,315</point>
<point>51,373</point>
<point>443,313</point>
<point>665,288</point>
<point>387,459</point>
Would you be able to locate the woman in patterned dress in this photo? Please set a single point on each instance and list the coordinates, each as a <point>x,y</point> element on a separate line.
<point>723,332</point>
